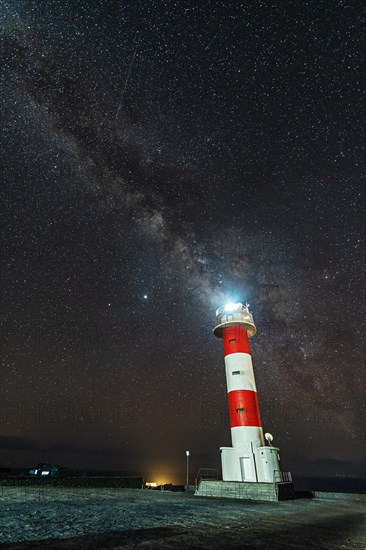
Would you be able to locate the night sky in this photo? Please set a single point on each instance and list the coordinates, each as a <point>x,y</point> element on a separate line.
<point>161,158</point>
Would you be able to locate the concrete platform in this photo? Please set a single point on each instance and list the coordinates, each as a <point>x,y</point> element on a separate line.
<point>271,492</point>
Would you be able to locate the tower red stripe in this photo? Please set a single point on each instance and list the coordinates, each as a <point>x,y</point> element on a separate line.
<point>235,340</point>
<point>244,408</point>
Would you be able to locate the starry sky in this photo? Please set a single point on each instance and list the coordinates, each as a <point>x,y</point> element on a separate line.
<point>161,158</point>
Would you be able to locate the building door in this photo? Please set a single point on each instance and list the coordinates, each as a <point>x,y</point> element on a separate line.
<point>265,469</point>
<point>246,468</point>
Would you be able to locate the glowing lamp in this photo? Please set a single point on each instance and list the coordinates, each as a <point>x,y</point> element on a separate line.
<point>230,307</point>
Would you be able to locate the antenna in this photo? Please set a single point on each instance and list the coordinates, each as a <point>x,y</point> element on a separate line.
<point>269,438</point>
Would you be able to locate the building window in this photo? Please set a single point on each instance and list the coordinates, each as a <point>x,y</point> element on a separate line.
<point>240,410</point>
<point>232,341</point>
<point>236,372</point>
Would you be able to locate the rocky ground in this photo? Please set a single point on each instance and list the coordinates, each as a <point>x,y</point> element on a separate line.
<point>63,518</point>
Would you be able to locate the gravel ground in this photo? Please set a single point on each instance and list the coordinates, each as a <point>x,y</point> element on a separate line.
<point>61,518</point>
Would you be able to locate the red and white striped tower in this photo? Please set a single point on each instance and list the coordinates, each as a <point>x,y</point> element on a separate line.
<point>248,459</point>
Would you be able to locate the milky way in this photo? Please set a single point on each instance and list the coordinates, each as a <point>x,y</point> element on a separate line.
<point>161,158</point>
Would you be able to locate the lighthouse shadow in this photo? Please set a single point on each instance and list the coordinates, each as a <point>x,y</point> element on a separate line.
<point>102,541</point>
<point>303,495</point>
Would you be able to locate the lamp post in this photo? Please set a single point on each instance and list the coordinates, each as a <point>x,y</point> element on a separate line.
<point>187,484</point>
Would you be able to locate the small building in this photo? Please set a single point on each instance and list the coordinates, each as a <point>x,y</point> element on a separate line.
<point>45,470</point>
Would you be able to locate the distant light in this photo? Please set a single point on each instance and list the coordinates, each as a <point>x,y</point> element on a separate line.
<point>45,473</point>
<point>231,307</point>
<point>145,296</point>
<point>151,484</point>
<point>187,453</point>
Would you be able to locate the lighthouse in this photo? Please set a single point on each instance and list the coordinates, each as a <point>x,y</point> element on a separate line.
<point>248,459</point>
